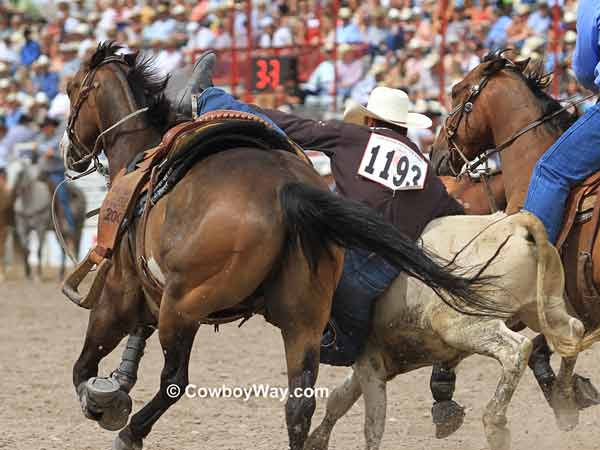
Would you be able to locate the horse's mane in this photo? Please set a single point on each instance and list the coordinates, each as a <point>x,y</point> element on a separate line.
<point>537,81</point>
<point>147,84</point>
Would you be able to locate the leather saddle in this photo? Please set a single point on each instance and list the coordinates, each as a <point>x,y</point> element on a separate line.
<point>583,207</point>
<point>152,174</point>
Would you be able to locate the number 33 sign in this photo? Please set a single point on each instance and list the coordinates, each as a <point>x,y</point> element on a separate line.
<point>393,164</point>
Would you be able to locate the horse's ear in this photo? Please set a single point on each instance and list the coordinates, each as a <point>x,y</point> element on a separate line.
<point>130,58</point>
<point>522,65</point>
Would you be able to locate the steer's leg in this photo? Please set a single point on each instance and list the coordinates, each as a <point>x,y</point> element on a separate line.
<point>563,396</point>
<point>339,402</point>
<point>492,338</point>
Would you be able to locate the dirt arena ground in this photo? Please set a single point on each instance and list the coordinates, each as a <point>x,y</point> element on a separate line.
<point>41,335</point>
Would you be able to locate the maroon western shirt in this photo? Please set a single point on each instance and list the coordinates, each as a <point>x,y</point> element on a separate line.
<point>345,144</point>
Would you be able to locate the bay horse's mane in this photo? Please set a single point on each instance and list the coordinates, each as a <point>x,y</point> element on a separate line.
<point>146,83</point>
<point>537,81</point>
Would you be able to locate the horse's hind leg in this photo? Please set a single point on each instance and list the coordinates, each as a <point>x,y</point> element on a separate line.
<point>493,338</point>
<point>299,304</point>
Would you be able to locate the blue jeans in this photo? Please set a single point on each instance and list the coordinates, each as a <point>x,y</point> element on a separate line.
<point>214,98</point>
<point>365,277</point>
<point>63,197</point>
<point>573,157</point>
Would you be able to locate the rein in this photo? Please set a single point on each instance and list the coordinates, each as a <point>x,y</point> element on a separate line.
<point>467,106</point>
<point>88,85</point>
<point>508,142</point>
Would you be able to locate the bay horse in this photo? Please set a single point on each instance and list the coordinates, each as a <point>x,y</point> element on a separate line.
<point>479,123</point>
<point>244,230</point>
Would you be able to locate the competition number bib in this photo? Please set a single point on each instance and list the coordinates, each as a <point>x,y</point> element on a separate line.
<point>393,164</point>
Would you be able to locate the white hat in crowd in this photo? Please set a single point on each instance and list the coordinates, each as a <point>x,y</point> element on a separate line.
<point>570,37</point>
<point>388,105</point>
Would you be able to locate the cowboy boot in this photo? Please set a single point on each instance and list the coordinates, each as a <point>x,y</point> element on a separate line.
<point>200,79</point>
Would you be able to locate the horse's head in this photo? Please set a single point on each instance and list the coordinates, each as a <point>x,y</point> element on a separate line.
<point>108,92</point>
<point>467,131</point>
<point>20,173</point>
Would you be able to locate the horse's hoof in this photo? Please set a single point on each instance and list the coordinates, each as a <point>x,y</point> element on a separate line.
<point>116,416</point>
<point>103,401</point>
<point>126,441</point>
<point>586,394</point>
<point>448,417</point>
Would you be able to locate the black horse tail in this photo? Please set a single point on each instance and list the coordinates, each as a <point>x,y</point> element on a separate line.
<point>317,219</point>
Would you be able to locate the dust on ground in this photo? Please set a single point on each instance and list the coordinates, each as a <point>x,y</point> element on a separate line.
<point>41,335</point>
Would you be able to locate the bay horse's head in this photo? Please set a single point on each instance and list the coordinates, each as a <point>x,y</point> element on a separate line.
<point>477,106</point>
<point>110,89</point>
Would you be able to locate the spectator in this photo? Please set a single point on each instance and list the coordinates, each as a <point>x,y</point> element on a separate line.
<point>43,79</point>
<point>376,30</point>
<point>540,20</point>
<point>394,39</point>
<point>30,50</point>
<point>519,29</point>
<point>497,36</point>
<point>202,37</point>
<point>322,78</point>
<point>266,37</point>
<point>350,70</point>
<point>348,32</point>
<point>20,132</point>
<point>70,61</point>
<point>282,36</point>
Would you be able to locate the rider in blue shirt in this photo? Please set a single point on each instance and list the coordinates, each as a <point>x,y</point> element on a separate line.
<point>576,154</point>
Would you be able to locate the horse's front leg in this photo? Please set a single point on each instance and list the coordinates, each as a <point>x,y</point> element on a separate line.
<point>176,334</point>
<point>41,235</point>
<point>126,373</point>
<point>114,315</point>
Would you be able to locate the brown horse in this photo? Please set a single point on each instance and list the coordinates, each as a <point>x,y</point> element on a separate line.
<point>244,231</point>
<point>477,124</point>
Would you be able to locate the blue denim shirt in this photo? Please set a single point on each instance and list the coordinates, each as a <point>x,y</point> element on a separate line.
<point>586,58</point>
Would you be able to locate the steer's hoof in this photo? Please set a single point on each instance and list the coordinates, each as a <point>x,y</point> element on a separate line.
<point>448,416</point>
<point>586,394</point>
<point>126,441</point>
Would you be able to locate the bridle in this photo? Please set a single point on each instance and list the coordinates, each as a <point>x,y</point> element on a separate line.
<point>466,107</point>
<point>462,110</point>
<point>87,86</point>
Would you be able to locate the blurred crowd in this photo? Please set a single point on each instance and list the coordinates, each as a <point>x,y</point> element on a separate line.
<point>395,43</point>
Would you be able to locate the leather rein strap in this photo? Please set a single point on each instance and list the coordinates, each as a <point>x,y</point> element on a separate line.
<point>467,106</point>
<point>87,86</point>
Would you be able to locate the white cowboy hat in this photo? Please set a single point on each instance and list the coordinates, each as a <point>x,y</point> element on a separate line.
<point>388,105</point>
